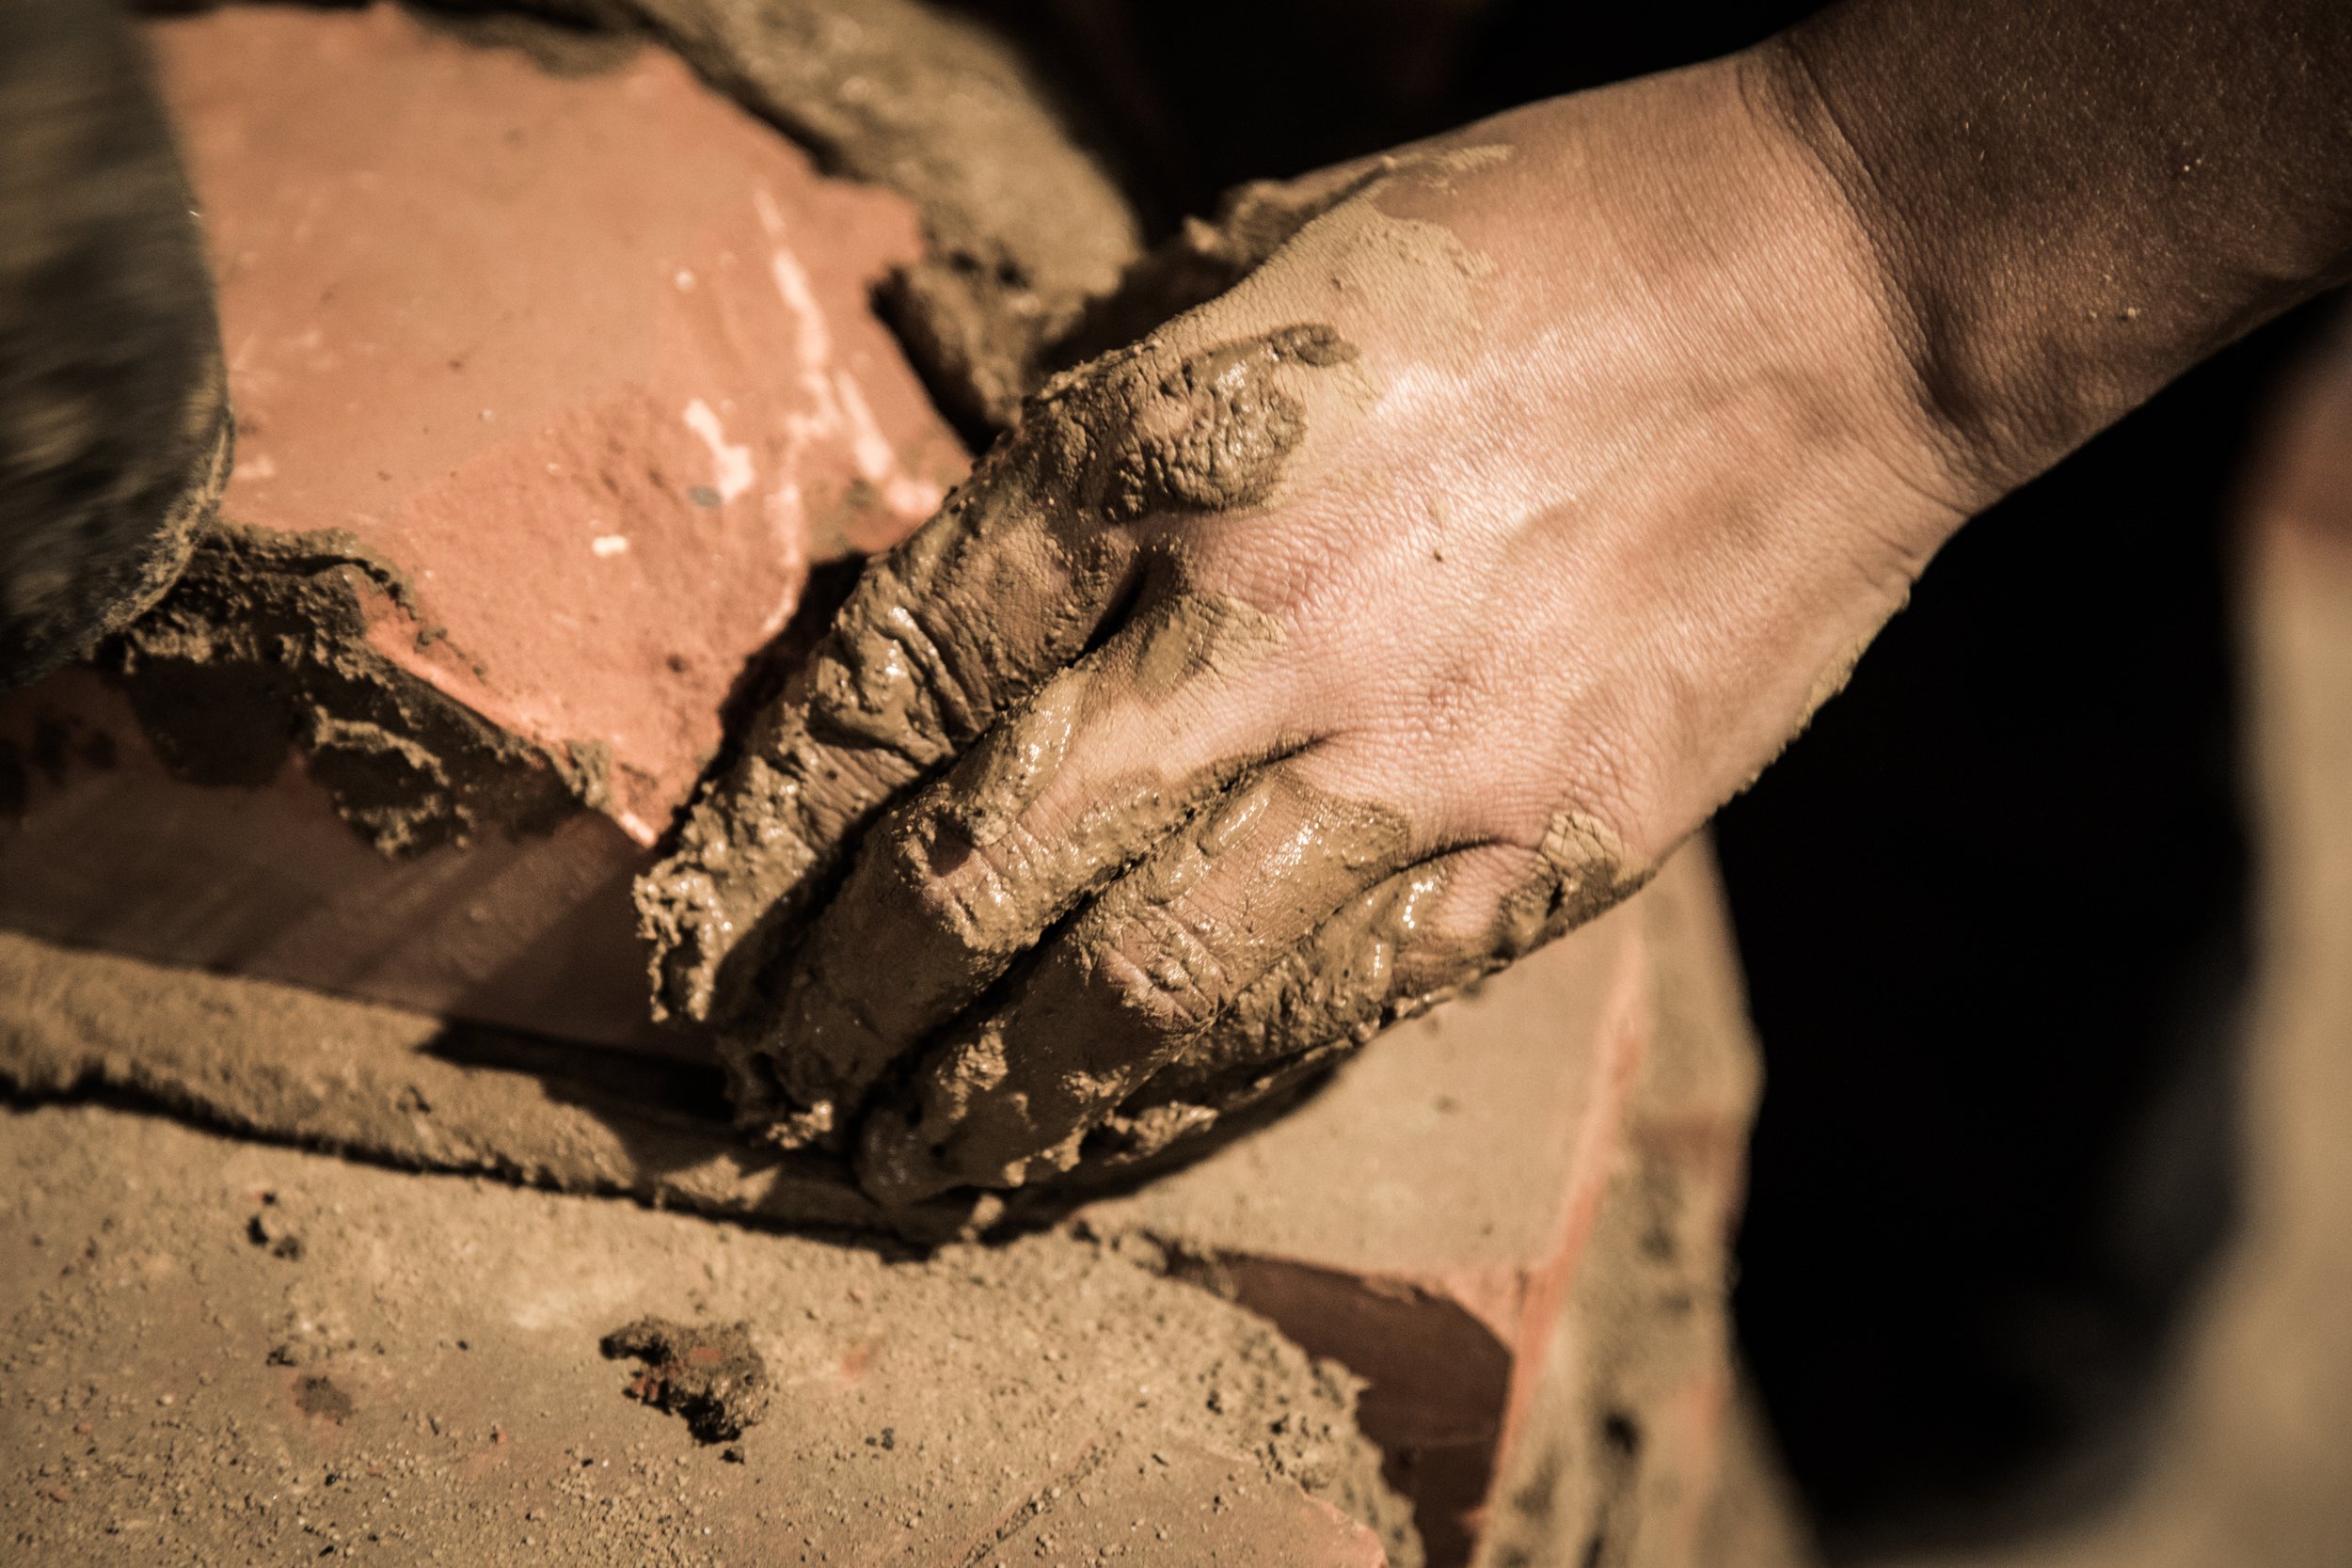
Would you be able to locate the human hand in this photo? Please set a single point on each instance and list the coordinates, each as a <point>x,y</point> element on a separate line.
<point>1340,642</point>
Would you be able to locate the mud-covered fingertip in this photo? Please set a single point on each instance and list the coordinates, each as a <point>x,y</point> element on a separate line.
<point>896,1165</point>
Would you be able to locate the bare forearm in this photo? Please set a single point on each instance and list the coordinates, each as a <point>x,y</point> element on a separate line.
<point>2076,200</point>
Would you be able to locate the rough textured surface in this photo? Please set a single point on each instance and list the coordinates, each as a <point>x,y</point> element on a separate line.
<point>424,1381</point>
<point>520,503</point>
<point>711,1376</point>
<point>1437,1219</point>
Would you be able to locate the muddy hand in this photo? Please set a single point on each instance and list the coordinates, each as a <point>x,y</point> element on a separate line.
<point>1352,635</point>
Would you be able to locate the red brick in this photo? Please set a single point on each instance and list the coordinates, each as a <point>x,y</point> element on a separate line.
<point>589,361</point>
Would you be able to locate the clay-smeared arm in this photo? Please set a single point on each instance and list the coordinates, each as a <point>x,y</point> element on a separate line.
<point>1398,610</point>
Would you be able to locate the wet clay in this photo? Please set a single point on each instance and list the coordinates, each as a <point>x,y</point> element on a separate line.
<point>1050,1081</point>
<point>396,1087</point>
<point>264,644</point>
<point>1055,1072</point>
<point>946,897</point>
<point>941,637</point>
<point>1124,991</point>
<point>1382,958</point>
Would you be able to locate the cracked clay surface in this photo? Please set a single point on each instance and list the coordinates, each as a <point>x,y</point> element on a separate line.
<point>262,645</point>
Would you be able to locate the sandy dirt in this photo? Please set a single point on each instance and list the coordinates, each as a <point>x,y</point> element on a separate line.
<point>409,1368</point>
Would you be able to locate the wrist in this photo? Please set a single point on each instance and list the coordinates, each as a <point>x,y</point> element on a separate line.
<point>2071,204</point>
<point>1964,399</point>
<point>1757,254</point>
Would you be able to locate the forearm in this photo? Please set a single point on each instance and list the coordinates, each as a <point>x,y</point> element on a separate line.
<point>2075,200</point>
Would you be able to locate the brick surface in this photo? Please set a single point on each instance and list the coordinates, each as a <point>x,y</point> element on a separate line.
<point>584,366</point>
<point>1509,1218</point>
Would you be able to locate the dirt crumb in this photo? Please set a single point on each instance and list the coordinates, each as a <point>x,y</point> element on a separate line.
<point>269,1231</point>
<point>709,1376</point>
<point>316,1394</point>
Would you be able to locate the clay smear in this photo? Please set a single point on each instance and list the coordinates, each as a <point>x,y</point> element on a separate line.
<point>951,888</point>
<point>944,635</point>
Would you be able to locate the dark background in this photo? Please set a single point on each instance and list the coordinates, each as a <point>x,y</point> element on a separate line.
<point>1993,905</point>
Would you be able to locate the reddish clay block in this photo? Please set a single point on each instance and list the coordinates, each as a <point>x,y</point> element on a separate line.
<point>570,380</point>
<point>108,850</point>
<point>1620,1438</point>
<point>1424,1220</point>
<point>590,359</point>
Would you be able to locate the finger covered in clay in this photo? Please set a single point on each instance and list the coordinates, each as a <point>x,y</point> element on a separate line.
<point>1006,586</point>
<point>1074,784</point>
<point>1045,1109</point>
<point>1391,954</point>
<point>1128,985</point>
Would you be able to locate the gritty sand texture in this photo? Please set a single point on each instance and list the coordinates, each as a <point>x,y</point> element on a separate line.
<point>1437,1220</point>
<point>423,1382</point>
<point>2248,1455</point>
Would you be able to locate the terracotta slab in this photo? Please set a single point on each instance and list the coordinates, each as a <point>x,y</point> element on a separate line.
<point>107,851</point>
<point>589,359</point>
<point>581,372</point>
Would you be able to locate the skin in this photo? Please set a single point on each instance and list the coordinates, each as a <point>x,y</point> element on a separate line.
<point>1656,399</point>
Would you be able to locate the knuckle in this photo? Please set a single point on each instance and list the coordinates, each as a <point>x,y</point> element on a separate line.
<point>973,893</point>
<point>883,675</point>
<point>1160,973</point>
